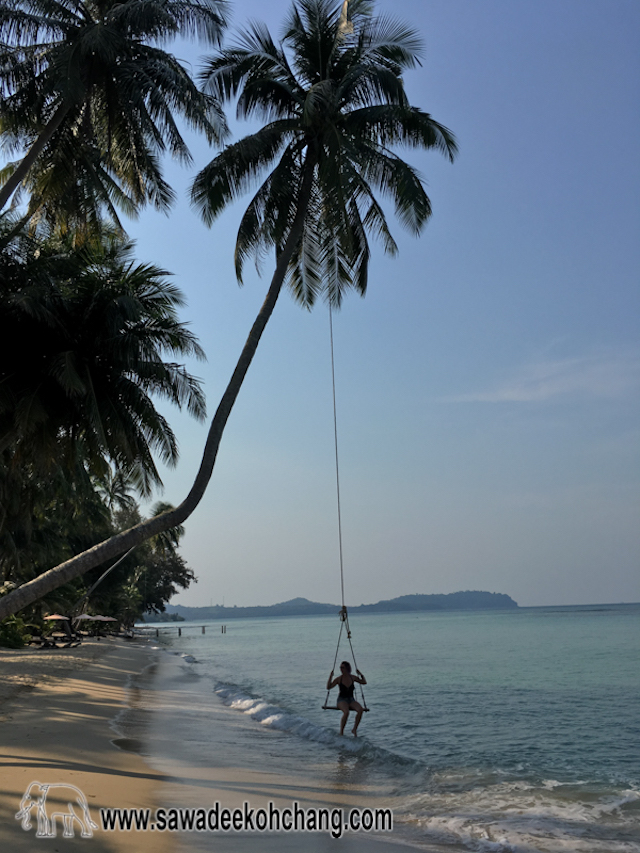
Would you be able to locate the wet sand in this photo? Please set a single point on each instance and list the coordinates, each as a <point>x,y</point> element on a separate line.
<point>57,713</point>
<point>56,709</point>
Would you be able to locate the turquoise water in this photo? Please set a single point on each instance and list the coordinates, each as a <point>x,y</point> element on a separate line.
<point>514,731</point>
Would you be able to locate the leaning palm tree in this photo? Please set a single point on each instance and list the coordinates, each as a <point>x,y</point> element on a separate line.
<point>88,342</point>
<point>93,100</point>
<point>335,104</point>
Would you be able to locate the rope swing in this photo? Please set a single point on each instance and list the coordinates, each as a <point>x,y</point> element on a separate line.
<point>344,616</point>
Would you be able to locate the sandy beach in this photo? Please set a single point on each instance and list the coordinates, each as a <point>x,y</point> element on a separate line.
<point>134,726</point>
<point>57,713</point>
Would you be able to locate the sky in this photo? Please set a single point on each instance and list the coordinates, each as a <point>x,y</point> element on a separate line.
<point>487,385</point>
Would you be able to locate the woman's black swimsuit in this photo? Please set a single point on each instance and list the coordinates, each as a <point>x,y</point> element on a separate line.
<point>346,693</point>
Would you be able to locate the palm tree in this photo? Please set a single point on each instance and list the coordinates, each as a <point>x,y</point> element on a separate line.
<point>155,570</point>
<point>335,103</point>
<point>115,487</point>
<point>83,337</point>
<point>45,519</point>
<point>93,100</point>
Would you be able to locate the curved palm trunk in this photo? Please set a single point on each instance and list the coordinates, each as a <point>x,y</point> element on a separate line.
<point>53,578</point>
<point>32,155</point>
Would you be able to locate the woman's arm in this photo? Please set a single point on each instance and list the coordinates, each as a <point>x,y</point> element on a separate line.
<point>331,683</point>
<point>361,679</point>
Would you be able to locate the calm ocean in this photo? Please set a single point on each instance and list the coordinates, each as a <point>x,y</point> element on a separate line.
<point>503,731</point>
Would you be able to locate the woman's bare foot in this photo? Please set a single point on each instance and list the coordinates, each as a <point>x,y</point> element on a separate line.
<point>355,733</point>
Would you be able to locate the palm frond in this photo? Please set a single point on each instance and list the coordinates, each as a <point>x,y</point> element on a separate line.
<point>268,217</point>
<point>93,330</point>
<point>237,167</point>
<point>391,124</point>
<point>119,92</point>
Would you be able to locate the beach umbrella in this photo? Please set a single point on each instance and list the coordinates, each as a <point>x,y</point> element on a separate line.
<point>105,619</point>
<point>55,616</point>
<point>84,616</point>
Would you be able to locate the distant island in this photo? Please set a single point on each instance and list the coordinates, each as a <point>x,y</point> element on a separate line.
<point>469,600</point>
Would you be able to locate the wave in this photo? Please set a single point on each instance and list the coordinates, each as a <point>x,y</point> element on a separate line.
<point>492,807</point>
<point>525,817</point>
<point>276,717</point>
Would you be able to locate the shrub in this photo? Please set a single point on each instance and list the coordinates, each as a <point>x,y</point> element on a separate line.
<point>13,633</point>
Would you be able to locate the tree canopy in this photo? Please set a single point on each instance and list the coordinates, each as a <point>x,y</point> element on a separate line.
<point>88,342</point>
<point>94,101</point>
<point>84,335</point>
<point>333,104</point>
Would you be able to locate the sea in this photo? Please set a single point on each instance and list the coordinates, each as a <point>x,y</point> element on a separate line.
<point>511,731</point>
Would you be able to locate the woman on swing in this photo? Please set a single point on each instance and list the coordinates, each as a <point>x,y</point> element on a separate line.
<point>346,702</point>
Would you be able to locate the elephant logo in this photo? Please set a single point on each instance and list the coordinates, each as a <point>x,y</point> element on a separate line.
<point>70,804</point>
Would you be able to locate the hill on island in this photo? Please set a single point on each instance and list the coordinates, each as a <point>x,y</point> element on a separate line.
<point>469,600</point>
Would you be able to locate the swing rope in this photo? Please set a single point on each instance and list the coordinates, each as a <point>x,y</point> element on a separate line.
<point>335,442</point>
<point>344,618</point>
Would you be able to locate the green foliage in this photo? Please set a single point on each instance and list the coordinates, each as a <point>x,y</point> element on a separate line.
<point>13,633</point>
<point>86,87</point>
<point>45,518</point>
<point>147,579</point>
<point>65,522</point>
<point>84,334</point>
<point>151,618</point>
<point>84,337</point>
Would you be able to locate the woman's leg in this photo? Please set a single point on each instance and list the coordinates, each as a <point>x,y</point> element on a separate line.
<point>357,707</point>
<point>344,707</point>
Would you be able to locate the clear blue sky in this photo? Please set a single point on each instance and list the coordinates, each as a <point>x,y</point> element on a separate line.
<point>487,384</point>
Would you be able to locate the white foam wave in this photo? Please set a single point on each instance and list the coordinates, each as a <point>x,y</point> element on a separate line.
<point>522,817</point>
<point>275,717</point>
<point>482,811</point>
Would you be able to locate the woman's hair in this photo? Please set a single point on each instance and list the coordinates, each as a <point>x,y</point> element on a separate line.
<point>346,665</point>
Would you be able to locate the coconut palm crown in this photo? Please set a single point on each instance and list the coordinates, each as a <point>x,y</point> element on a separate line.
<point>334,103</point>
<point>93,99</point>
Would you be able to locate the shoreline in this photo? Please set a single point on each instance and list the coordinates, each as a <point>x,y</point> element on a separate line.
<point>134,726</point>
<point>93,717</point>
<point>237,762</point>
<point>57,709</point>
